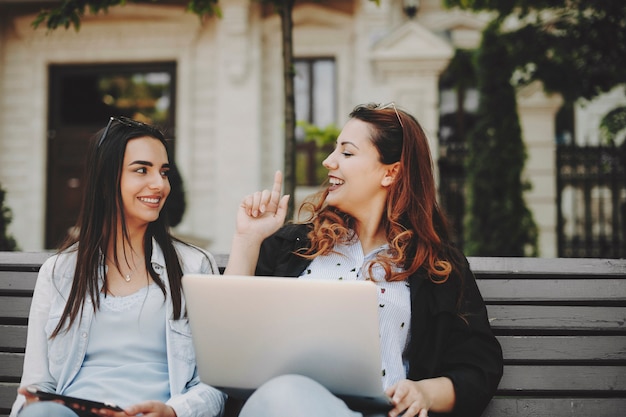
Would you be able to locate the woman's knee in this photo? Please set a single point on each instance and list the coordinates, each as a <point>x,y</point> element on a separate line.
<point>290,384</point>
<point>286,390</point>
<point>46,409</point>
<point>294,395</point>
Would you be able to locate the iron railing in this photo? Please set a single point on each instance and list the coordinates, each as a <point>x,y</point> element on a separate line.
<point>591,200</point>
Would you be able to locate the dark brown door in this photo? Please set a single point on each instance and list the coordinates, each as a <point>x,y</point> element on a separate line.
<point>82,98</point>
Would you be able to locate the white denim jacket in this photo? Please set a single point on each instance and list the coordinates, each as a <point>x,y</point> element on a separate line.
<point>52,364</point>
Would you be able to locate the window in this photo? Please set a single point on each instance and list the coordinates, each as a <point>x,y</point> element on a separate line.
<point>315,97</point>
<point>81,100</point>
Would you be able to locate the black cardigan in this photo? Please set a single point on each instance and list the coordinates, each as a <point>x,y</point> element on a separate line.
<point>445,340</point>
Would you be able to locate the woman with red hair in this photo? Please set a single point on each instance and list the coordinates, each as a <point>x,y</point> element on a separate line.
<point>378,219</point>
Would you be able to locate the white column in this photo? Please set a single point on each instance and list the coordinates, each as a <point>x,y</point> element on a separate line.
<point>409,60</point>
<point>237,118</point>
<point>537,113</point>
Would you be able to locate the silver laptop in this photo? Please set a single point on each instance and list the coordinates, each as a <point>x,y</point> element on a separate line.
<point>247,330</point>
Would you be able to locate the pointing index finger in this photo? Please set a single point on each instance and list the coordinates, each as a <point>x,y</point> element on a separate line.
<point>278,183</point>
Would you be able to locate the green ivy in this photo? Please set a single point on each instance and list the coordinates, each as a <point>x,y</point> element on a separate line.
<point>320,135</point>
<point>612,124</point>
<point>498,222</point>
<point>70,12</point>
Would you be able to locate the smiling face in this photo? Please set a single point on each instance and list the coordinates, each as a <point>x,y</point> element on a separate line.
<point>144,184</point>
<point>358,179</point>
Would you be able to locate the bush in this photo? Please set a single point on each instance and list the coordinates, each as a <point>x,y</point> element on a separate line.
<point>498,221</point>
<point>7,242</point>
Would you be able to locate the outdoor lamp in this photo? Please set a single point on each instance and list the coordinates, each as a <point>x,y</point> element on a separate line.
<point>410,7</point>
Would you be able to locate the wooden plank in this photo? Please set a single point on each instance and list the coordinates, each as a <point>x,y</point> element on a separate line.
<point>16,260</point>
<point>8,393</point>
<point>523,289</point>
<point>482,266</point>
<point>12,337</point>
<point>557,317</point>
<point>9,260</point>
<point>11,365</point>
<point>563,378</point>
<point>17,280</point>
<point>15,307</point>
<point>503,266</point>
<point>564,348</point>
<point>555,407</point>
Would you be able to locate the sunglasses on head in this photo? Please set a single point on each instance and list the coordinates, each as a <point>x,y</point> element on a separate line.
<point>123,120</point>
<point>391,105</point>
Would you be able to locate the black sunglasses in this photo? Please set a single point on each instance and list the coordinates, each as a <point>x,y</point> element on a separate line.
<point>123,120</point>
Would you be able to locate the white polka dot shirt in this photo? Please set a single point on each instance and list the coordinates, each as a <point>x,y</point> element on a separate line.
<point>348,262</point>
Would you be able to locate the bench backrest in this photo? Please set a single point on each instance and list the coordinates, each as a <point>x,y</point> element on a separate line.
<point>561,323</point>
<point>562,326</point>
<point>18,273</point>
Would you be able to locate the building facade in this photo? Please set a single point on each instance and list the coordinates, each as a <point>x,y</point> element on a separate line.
<point>227,104</point>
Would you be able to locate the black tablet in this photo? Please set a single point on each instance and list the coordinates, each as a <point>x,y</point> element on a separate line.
<point>79,405</point>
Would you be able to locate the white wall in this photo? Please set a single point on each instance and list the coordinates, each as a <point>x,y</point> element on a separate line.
<point>128,34</point>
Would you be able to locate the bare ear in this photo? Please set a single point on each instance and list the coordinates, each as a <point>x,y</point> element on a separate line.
<point>390,174</point>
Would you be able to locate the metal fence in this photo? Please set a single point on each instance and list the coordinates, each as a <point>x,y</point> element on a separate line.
<point>591,200</point>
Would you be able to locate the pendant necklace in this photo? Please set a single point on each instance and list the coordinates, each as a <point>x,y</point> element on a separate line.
<point>128,276</point>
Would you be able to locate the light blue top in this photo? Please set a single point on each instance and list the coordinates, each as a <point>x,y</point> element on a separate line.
<point>127,344</point>
<point>348,262</point>
<point>53,364</point>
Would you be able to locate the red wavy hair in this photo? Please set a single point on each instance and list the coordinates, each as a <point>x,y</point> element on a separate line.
<point>414,224</point>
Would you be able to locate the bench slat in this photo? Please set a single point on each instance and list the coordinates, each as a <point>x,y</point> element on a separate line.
<point>17,281</point>
<point>564,348</point>
<point>11,365</point>
<point>542,267</point>
<point>516,348</point>
<point>523,289</point>
<point>8,392</point>
<point>572,318</point>
<point>15,307</point>
<point>563,378</point>
<point>13,337</point>
<point>555,407</point>
<point>17,260</point>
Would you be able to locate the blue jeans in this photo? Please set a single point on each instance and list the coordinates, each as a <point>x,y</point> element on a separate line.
<point>46,409</point>
<point>295,396</point>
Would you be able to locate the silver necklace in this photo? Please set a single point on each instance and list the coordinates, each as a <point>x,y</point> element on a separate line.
<point>127,277</point>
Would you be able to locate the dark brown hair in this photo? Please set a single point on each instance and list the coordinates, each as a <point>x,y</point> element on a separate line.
<point>98,218</point>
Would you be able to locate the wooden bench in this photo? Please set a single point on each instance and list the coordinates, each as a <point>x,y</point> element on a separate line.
<point>561,322</point>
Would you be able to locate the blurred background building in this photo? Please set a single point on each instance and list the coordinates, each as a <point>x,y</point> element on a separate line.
<point>215,85</point>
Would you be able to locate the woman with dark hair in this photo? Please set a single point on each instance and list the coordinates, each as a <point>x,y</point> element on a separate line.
<point>108,318</point>
<point>378,219</point>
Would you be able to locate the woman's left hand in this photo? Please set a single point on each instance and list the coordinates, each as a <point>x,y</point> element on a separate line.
<point>416,398</point>
<point>146,409</point>
<point>407,397</point>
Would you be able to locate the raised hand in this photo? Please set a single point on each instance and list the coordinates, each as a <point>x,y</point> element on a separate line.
<point>259,215</point>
